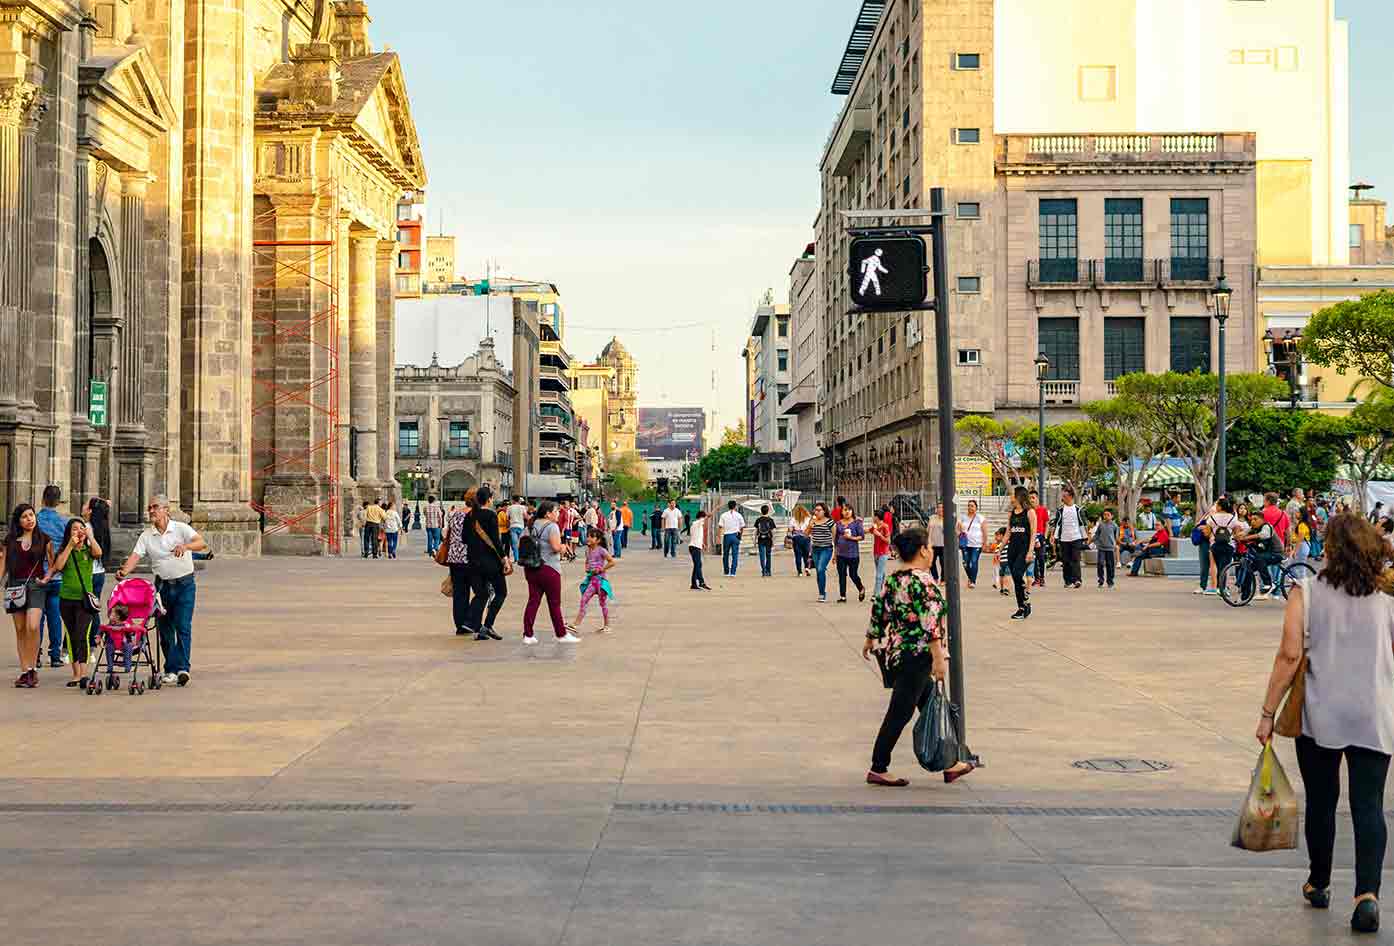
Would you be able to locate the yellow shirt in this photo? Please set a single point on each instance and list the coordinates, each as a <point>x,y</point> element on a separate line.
<point>373,514</point>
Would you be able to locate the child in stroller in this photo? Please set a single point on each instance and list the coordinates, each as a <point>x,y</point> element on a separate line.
<point>131,614</point>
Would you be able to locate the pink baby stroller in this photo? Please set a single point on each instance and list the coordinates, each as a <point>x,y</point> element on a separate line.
<point>123,642</point>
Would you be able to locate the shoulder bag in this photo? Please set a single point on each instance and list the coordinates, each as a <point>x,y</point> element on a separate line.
<point>17,596</point>
<point>443,550</point>
<point>93,603</point>
<point>1289,721</point>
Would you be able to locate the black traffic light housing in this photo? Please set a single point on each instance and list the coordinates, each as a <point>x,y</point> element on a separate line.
<point>888,272</point>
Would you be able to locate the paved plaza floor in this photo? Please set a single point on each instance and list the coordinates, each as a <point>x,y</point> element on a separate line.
<point>345,770</point>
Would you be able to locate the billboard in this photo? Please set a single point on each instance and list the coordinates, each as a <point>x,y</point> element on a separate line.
<point>671,433</point>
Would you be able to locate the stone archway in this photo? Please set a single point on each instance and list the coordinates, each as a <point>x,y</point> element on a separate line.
<point>454,484</point>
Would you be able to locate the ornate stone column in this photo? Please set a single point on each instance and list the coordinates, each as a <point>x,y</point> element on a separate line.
<point>363,358</point>
<point>386,294</point>
<point>86,441</point>
<point>131,456</point>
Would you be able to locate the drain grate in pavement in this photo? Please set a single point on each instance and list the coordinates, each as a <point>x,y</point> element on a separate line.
<point>1042,811</point>
<point>198,808</point>
<point>1125,766</point>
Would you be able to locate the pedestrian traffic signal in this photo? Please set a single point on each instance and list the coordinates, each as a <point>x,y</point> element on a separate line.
<point>888,272</point>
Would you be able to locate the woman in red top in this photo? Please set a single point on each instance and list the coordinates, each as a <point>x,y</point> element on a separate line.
<point>881,544</point>
<point>27,561</point>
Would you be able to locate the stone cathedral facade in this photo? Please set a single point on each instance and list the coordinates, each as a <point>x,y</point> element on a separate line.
<point>195,195</point>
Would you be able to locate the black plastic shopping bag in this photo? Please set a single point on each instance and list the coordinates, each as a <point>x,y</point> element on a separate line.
<point>936,732</point>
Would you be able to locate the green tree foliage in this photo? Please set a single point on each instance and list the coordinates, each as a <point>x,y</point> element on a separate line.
<point>729,463</point>
<point>1135,448</point>
<point>625,486</point>
<point>986,438</point>
<point>1182,409</point>
<point>630,464</point>
<point>1268,450</point>
<point>734,436</point>
<point>1364,440</point>
<point>1075,451</point>
<point>1355,336</point>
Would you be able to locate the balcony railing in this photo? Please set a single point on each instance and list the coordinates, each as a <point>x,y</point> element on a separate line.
<point>1169,273</point>
<point>1018,151</point>
<point>1064,273</point>
<point>1061,391</point>
<point>1126,271</point>
<point>462,453</point>
<point>1111,388</point>
<point>1190,270</point>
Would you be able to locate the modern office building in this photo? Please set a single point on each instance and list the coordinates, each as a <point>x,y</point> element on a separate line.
<point>557,466</point>
<point>802,402</point>
<point>410,244</point>
<point>770,346</point>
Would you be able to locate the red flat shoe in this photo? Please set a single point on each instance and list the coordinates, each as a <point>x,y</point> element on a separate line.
<point>875,778</point>
<point>951,777</point>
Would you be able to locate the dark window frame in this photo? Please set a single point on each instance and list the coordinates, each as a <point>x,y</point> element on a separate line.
<point>1058,239</point>
<point>1125,346</point>
<point>1058,337</point>
<point>1123,239</point>
<point>1190,238</point>
<point>1191,348</point>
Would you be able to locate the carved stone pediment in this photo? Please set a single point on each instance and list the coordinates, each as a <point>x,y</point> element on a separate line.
<point>123,106</point>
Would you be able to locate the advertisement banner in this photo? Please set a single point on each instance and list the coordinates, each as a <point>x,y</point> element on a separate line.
<point>972,477</point>
<point>671,433</point>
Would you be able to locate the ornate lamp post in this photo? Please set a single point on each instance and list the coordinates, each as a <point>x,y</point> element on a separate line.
<point>1042,369</point>
<point>1220,298</point>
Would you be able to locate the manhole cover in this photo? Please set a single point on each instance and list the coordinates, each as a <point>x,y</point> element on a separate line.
<point>1122,765</point>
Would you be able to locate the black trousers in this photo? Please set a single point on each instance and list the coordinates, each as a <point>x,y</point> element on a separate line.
<point>1018,570</point>
<point>460,596</point>
<point>1321,776</point>
<point>934,563</point>
<point>907,692</point>
<point>481,583</point>
<point>1107,566</point>
<point>847,568</point>
<point>1069,554</point>
<point>697,579</point>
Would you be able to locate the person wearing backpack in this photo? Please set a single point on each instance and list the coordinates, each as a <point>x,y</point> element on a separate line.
<point>539,552</point>
<point>1223,526</point>
<point>764,540</point>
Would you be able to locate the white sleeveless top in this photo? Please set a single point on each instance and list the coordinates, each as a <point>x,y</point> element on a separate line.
<point>1350,670</point>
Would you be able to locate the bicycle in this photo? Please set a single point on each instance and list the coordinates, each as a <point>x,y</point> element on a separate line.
<point>1245,572</point>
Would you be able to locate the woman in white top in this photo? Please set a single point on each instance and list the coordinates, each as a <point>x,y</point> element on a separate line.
<point>696,546</point>
<point>798,538</point>
<point>936,540</point>
<point>973,529</point>
<point>1348,705</point>
<point>391,527</point>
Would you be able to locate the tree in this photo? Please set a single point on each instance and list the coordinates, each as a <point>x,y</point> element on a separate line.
<point>729,463</point>
<point>1364,440</point>
<point>630,464</point>
<point>1076,451</point>
<point>1356,335</point>
<point>1182,407</point>
<point>1267,450</point>
<point>1135,451</point>
<point>987,438</point>
<point>625,486</point>
<point>735,436</point>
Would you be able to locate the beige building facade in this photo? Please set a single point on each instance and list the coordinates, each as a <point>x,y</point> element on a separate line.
<point>590,396</point>
<point>142,146</point>
<point>623,420</point>
<point>438,270</point>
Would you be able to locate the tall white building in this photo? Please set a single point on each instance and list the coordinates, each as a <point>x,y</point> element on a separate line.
<point>802,403</point>
<point>769,429</point>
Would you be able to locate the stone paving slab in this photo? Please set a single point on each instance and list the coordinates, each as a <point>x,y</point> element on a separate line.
<point>694,777</point>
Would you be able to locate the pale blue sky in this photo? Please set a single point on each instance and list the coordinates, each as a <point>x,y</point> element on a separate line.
<point>659,160</point>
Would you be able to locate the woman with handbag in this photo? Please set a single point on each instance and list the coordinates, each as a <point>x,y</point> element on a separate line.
<point>541,561</point>
<point>1341,705</point>
<point>24,576</point>
<point>490,564</point>
<point>76,600</point>
<point>909,627</point>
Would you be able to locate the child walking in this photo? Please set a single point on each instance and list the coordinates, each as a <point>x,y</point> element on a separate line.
<point>1000,569</point>
<point>598,562</point>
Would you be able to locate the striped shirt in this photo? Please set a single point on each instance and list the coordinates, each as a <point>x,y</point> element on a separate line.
<point>433,517</point>
<point>822,534</point>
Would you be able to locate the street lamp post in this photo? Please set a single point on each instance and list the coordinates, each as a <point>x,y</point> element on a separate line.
<point>1042,369</point>
<point>1220,297</point>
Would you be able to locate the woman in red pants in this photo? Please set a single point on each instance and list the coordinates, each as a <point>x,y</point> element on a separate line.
<point>544,574</point>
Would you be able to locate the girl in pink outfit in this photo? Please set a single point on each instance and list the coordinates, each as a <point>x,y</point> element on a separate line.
<point>598,562</point>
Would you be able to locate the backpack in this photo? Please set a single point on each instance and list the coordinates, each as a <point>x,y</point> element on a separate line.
<point>529,550</point>
<point>764,528</point>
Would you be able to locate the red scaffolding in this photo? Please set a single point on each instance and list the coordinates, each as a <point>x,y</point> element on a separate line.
<point>314,268</point>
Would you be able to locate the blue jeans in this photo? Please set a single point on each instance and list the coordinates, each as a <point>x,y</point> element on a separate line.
<point>803,553</point>
<point>730,553</point>
<point>1203,552</point>
<point>970,563</point>
<point>513,536</point>
<point>177,623</point>
<point>53,621</point>
<point>370,539</point>
<point>98,583</point>
<point>624,536</point>
<point>617,543</point>
<point>670,543</point>
<point>821,558</point>
<point>392,544</point>
<point>881,561</point>
<point>766,553</point>
<point>432,540</point>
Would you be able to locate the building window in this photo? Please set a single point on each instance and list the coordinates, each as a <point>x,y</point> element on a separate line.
<point>970,356</point>
<point>967,136</point>
<point>783,328</point>
<point>1190,344</point>
<point>892,338</point>
<point>964,61</point>
<point>403,261</point>
<point>402,236</point>
<point>1059,236</point>
<point>972,284</point>
<point>783,428</point>
<point>1123,239</point>
<point>781,391</point>
<point>408,439</point>
<point>459,437</point>
<point>1124,347</point>
<point>969,211</point>
<point>1357,235</point>
<point>783,362</point>
<point>1190,238</point>
<point>1059,339</point>
<point>403,212</point>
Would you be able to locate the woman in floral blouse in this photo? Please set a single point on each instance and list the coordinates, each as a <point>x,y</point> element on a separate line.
<point>908,623</point>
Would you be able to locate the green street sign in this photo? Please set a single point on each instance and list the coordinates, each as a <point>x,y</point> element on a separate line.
<point>96,404</point>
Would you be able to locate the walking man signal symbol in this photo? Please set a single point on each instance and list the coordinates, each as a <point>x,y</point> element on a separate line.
<point>871,272</point>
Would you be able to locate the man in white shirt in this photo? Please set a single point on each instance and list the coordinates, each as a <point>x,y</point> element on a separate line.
<point>672,523</point>
<point>517,522</point>
<point>731,524</point>
<point>1069,532</point>
<point>168,545</point>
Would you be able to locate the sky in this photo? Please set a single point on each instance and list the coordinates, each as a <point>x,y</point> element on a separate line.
<point>658,161</point>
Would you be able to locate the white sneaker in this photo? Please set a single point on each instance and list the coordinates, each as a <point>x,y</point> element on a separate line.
<point>529,640</point>
<point>169,679</point>
<point>1197,591</point>
<point>569,639</point>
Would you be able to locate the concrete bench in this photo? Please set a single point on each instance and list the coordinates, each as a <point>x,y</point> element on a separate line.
<point>1155,566</point>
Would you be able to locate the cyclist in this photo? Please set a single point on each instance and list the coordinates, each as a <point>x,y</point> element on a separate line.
<point>1265,551</point>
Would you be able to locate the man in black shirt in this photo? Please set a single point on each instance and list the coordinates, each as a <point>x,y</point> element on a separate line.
<point>489,563</point>
<point>764,540</point>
